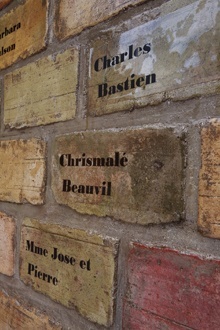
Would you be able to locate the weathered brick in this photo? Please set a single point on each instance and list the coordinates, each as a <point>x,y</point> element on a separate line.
<point>7,237</point>
<point>4,3</point>
<point>14,316</point>
<point>170,290</point>
<point>209,181</point>
<point>80,268</point>
<point>73,17</point>
<point>42,92</point>
<point>28,26</point>
<point>22,175</point>
<point>165,58</point>
<point>145,165</point>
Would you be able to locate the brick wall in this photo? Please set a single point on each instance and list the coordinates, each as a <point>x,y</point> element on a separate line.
<point>109,158</point>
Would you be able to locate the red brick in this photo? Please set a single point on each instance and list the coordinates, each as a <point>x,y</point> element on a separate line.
<point>170,290</point>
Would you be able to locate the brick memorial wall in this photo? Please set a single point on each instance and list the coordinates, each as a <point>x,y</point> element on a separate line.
<point>109,158</point>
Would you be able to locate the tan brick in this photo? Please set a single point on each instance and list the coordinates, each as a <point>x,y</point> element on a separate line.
<point>140,180</point>
<point>209,181</point>
<point>14,316</point>
<point>4,3</point>
<point>42,92</point>
<point>75,16</point>
<point>165,58</point>
<point>28,26</point>
<point>79,275</point>
<point>22,176</point>
<point>7,237</point>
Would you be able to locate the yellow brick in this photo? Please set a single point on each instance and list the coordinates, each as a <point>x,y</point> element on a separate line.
<point>7,243</point>
<point>22,175</point>
<point>75,16</point>
<point>165,58</point>
<point>79,268</point>
<point>146,188</point>
<point>14,316</point>
<point>29,27</point>
<point>42,92</point>
<point>209,181</point>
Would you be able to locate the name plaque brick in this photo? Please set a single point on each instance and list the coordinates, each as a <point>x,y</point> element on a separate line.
<point>22,175</point>
<point>42,92</point>
<point>209,181</point>
<point>131,175</point>
<point>172,56</point>
<point>72,267</point>
<point>22,31</point>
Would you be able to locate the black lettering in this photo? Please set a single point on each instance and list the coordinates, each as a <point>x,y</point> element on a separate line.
<point>66,185</point>
<point>130,52</point>
<point>120,87</point>
<point>102,90</point>
<point>112,90</point>
<point>139,81</point>
<point>81,189</point>
<point>146,48</point>
<point>54,255</point>
<point>138,51</point>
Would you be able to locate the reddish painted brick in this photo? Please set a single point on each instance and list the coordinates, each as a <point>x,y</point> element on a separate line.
<point>4,3</point>
<point>168,290</point>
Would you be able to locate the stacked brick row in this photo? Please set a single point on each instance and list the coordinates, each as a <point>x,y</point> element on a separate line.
<point>109,158</point>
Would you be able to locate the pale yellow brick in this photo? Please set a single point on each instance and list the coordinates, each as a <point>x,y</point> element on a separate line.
<point>7,244</point>
<point>14,316</point>
<point>75,16</point>
<point>81,273</point>
<point>42,92</point>
<point>29,37</point>
<point>209,181</point>
<point>22,175</point>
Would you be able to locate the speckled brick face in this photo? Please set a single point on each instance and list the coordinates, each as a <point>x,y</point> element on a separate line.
<point>170,290</point>
<point>42,92</point>
<point>22,31</point>
<point>70,266</point>
<point>75,16</point>
<point>209,178</point>
<point>131,175</point>
<point>172,56</point>
<point>22,175</point>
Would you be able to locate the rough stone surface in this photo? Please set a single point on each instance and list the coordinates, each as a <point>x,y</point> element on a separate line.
<point>14,316</point>
<point>75,16</point>
<point>146,188</point>
<point>7,244</point>
<point>172,56</point>
<point>209,181</point>
<point>29,37</point>
<point>170,290</point>
<point>42,92</point>
<point>22,175</point>
<point>4,3</point>
<point>85,282</point>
